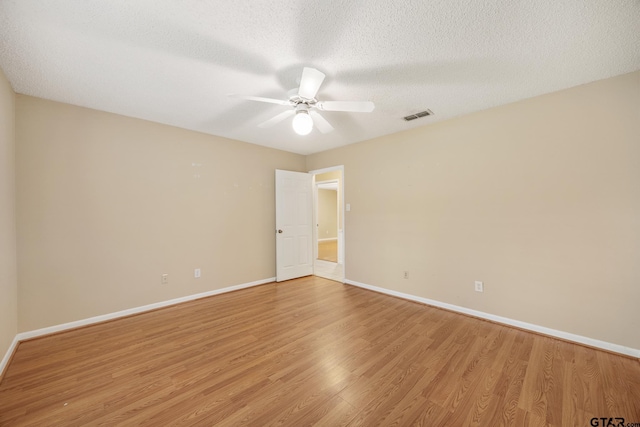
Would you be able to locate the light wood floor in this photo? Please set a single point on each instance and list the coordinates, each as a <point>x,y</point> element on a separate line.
<point>312,351</point>
<point>328,250</point>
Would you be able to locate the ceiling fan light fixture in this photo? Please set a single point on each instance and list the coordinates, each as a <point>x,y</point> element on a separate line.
<point>306,106</point>
<point>302,122</point>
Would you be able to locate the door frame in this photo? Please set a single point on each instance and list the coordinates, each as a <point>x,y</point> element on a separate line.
<point>341,201</point>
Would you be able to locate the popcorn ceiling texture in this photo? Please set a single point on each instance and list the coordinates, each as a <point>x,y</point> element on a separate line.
<point>174,62</point>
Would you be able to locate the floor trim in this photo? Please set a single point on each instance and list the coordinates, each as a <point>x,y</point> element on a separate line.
<point>8,355</point>
<point>615,348</point>
<point>110,316</point>
<point>628,351</point>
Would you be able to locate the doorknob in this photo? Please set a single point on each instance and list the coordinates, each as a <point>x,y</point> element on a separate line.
<point>279,231</point>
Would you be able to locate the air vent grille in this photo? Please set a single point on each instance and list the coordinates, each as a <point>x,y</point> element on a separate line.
<point>424,113</point>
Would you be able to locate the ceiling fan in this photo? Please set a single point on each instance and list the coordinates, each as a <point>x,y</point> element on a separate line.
<point>304,104</point>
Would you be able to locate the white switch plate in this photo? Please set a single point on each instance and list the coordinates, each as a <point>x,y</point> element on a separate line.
<point>479,286</point>
<point>348,207</point>
<point>196,273</point>
<point>164,279</point>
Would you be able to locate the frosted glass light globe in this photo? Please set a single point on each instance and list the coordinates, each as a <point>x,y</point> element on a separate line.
<point>302,123</point>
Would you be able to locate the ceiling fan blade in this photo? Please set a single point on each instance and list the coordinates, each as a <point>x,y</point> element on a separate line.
<point>320,122</point>
<point>310,83</point>
<point>261,99</point>
<point>277,119</point>
<point>353,106</point>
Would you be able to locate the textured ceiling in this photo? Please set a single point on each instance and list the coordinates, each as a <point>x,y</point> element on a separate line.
<point>175,62</point>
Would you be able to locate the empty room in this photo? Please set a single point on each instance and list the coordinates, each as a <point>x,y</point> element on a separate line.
<point>336,213</point>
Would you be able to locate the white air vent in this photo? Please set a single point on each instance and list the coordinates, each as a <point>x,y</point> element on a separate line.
<point>424,113</point>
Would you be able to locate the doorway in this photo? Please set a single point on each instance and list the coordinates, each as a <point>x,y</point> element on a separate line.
<point>328,236</point>
<point>327,220</point>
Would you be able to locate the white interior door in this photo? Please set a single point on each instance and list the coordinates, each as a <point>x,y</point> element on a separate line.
<point>294,230</point>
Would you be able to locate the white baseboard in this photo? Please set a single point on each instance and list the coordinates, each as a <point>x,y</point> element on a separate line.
<point>510,322</point>
<point>128,312</point>
<point>7,355</point>
<point>328,239</point>
<point>616,348</point>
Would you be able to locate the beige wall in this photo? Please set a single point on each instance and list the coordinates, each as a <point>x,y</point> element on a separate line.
<point>327,214</point>
<point>539,199</point>
<point>106,204</point>
<point>8,277</point>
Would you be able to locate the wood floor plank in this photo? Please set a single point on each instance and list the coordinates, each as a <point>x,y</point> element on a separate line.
<point>312,352</point>
<point>335,413</point>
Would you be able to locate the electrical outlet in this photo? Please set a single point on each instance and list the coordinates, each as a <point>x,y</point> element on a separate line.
<point>164,279</point>
<point>406,274</point>
<point>479,286</point>
<point>196,273</point>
